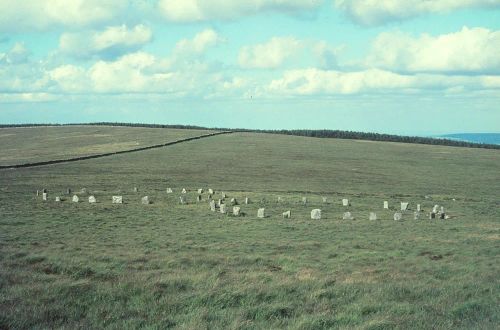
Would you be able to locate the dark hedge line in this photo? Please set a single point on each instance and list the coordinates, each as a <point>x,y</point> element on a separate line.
<point>337,134</point>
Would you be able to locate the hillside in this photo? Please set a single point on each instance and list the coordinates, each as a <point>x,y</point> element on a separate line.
<point>171,265</point>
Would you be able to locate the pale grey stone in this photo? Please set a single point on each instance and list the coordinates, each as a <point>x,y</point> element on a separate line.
<point>224,196</point>
<point>398,216</point>
<point>58,199</point>
<point>198,199</point>
<point>279,199</point>
<point>345,202</point>
<point>169,190</point>
<point>261,213</point>
<point>200,191</point>
<point>44,196</point>
<point>234,201</point>
<point>347,216</point>
<point>83,191</point>
<point>386,205</point>
<point>117,200</point>
<point>404,206</point>
<point>419,208</point>
<point>68,191</point>
<point>37,193</point>
<point>316,214</point>
<point>184,191</point>
<point>432,215</point>
<point>236,211</point>
<point>372,216</point>
<point>435,208</point>
<point>145,200</point>
<point>223,208</point>
<point>136,189</point>
<point>247,200</point>
<point>92,200</point>
<point>416,215</point>
<point>212,206</point>
<point>287,214</point>
<point>75,199</point>
<point>220,202</point>
<point>325,200</point>
<point>182,199</point>
<point>441,210</point>
<point>210,191</point>
<point>304,200</point>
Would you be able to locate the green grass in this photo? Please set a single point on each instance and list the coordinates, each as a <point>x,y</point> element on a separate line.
<point>35,144</point>
<point>66,265</point>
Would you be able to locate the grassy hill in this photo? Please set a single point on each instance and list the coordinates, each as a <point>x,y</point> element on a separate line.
<point>169,265</point>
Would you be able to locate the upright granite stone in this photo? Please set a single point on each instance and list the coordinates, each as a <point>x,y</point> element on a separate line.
<point>261,213</point>
<point>236,211</point>
<point>419,208</point>
<point>404,206</point>
<point>37,193</point>
<point>44,196</point>
<point>347,216</point>
<point>92,200</point>
<point>145,200</point>
<point>117,199</point>
<point>213,208</point>
<point>75,199</point>
<point>345,202</point>
<point>386,205</point>
<point>200,191</point>
<point>435,208</point>
<point>372,216</point>
<point>287,214</point>
<point>279,199</point>
<point>169,190</point>
<point>223,208</point>
<point>210,191</point>
<point>234,201</point>
<point>68,191</point>
<point>316,214</point>
<point>136,190</point>
<point>247,200</point>
<point>416,215</point>
<point>198,198</point>
<point>58,199</point>
<point>184,191</point>
<point>182,199</point>
<point>304,200</point>
<point>398,216</point>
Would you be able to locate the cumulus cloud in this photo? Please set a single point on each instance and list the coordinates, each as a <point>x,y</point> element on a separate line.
<point>331,82</point>
<point>21,16</point>
<point>269,55</point>
<point>199,44</point>
<point>376,12</point>
<point>111,43</point>
<point>18,54</point>
<point>201,10</point>
<point>473,51</point>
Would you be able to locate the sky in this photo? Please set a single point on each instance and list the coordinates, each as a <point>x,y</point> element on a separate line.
<point>412,67</point>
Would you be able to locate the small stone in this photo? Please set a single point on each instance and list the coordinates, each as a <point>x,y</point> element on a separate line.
<point>325,200</point>
<point>316,214</point>
<point>75,199</point>
<point>432,215</point>
<point>220,202</point>
<point>435,208</point>
<point>58,199</point>
<point>145,200</point>
<point>37,193</point>
<point>224,196</point>
<point>44,196</point>
<point>386,205</point>
<point>419,208</point>
<point>212,206</point>
<point>68,191</point>
<point>345,202</point>
<point>304,200</point>
<point>398,216</point>
<point>198,198</point>
<point>236,211</point>
<point>117,200</point>
<point>347,216</point>
<point>287,214</point>
<point>279,199</point>
<point>200,191</point>
<point>223,208</point>
<point>92,200</point>
<point>441,209</point>
<point>234,201</point>
<point>169,190</point>
<point>210,191</point>
<point>184,191</point>
<point>247,200</point>
<point>136,189</point>
<point>404,206</point>
<point>261,213</point>
<point>416,215</point>
<point>182,199</point>
<point>372,216</point>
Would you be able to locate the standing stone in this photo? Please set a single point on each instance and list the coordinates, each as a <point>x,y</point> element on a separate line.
<point>435,208</point>
<point>398,216</point>
<point>210,191</point>
<point>287,214</point>
<point>386,205</point>
<point>145,200</point>
<point>372,216</point>
<point>279,199</point>
<point>75,199</point>
<point>182,199</point>
<point>345,202</point>
<point>212,206</point>
<point>200,191</point>
<point>219,202</point>
<point>37,193</point>
<point>169,190</point>
<point>419,208</point>
<point>44,196</point>
<point>432,215</point>
<point>261,213</point>
<point>198,199</point>
<point>68,191</point>
<point>316,214</point>
<point>83,191</point>
<point>223,208</point>
<point>92,200</point>
<point>136,189</point>
<point>247,200</point>
<point>441,210</point>
<point>224,196</point>
<point>236,211</point>
<point>416,215</point>
<point>58,199</point>
<point>234,201</point>
<point>347,216</point>
<point>325,200</point>
<point>304,200</point>
<point>404,206</point>
<point>117,200</point>
<point>184,191</point>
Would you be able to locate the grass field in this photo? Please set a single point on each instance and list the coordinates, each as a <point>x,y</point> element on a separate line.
<point>34,144</point>
<point>68,265</point>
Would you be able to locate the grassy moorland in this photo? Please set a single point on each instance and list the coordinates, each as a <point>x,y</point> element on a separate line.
<point>68,265</point>
<point>34,144</point>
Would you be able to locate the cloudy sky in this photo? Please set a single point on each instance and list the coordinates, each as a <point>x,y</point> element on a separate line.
<point>397,66</point>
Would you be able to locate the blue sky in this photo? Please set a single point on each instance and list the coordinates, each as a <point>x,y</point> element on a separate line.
<point>392,66</point>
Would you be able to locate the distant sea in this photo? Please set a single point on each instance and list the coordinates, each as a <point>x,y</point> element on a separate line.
<point>489,138</point>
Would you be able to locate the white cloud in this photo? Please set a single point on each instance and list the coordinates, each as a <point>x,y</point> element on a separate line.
<point>201,10</point>
<point>469,50</point>
<point>110,43</point>
<point>332,82</point>
<point>199,44</point>
<point>269,55</point>
<point>18,54</point>
<point>375,12</point>
<point>35,15</point>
